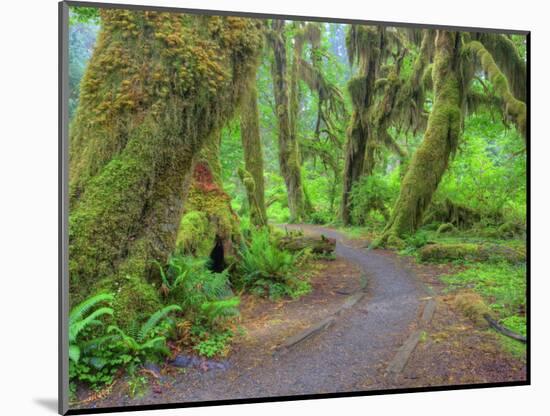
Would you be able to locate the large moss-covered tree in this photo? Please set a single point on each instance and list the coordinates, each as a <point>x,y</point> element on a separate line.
<point>456,59</point>
<point>157,87</point>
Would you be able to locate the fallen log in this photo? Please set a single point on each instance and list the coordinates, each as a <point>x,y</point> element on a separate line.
<point>503,330</point>
<point>472,252</point>
<point>317,245</point>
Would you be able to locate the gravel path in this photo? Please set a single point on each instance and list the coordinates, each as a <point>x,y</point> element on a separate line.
<point>348,356</point>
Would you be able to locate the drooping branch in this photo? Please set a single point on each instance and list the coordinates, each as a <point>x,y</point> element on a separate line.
<point>508,59</point>
<point>515,109</point>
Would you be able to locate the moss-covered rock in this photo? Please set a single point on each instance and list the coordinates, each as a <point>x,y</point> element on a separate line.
<point>446,228</point>
<point>510,229</point>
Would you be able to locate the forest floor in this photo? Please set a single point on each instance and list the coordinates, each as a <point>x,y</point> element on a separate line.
<point>354,351</point>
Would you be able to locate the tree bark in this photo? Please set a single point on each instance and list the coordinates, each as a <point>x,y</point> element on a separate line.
<point>150,98</point>
<point>253,174</point>
<point>440,140</point>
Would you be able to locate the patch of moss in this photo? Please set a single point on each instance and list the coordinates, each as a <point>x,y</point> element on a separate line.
<point>195,235</point>
<point>473,307</point>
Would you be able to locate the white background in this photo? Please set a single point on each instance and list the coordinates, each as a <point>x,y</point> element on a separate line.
<point>28,204</point>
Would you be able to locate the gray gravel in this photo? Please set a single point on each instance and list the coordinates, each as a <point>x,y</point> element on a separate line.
<point>350,355</point>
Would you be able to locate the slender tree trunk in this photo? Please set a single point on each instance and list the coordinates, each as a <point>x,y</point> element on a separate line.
<point>148,102</point>
<point>289,153</point>
<point>440,140</point>
<point>253,174</point>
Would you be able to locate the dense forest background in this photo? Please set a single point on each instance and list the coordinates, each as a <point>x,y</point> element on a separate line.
<point>413,139</point>
<point>487,173</point>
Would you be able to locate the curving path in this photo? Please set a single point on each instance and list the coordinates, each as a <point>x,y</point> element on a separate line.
<point>350,355</point>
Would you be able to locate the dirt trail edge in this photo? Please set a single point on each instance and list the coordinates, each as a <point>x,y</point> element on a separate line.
<point>351,354</point>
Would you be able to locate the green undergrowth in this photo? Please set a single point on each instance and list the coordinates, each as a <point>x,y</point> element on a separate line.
<point>266,270</point>
<point>210,308</point>
<point>503,287</point>
<point>465,241</point>
<point>493,267</point>
<point>99,350</point>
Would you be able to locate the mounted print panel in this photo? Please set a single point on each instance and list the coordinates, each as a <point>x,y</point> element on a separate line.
<point>262,208</point>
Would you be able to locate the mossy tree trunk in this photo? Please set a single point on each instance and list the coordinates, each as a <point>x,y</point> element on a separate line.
<point>365,44</point>
<point>157,86</point>
<point>289,152</point>
<point>440,140</point>
<point>253,173</point>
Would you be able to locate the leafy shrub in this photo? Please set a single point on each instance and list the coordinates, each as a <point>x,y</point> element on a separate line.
<point>321,217</point>
<point>267,270</point>
<point>418,239</point>
<point>370,195</point>
<point>211,344</point>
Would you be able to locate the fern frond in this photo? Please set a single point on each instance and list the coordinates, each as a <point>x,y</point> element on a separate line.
<point>154,319</point>
<point>76,327</point>
<point>74,353</point>
<point>82,308</point>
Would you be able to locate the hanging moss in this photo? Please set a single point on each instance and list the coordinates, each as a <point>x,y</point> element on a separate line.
<point>515,109</point>
<point>366,46</point>
<point>156,87</point>
<point>506,55</point>
<point>286,101</point>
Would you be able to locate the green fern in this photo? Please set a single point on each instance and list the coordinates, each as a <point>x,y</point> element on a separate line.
<point>142,343</point>
<point>265,269</point>
<point>80,321</point>
<point>153,321</point>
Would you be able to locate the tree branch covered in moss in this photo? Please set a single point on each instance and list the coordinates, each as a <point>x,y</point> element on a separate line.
<point>515,109</point>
